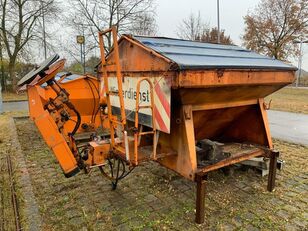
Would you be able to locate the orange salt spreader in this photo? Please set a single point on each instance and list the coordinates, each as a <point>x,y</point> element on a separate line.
<point>192,107</point>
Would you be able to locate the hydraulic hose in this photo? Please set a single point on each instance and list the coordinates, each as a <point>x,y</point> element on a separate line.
<point>77,125</point>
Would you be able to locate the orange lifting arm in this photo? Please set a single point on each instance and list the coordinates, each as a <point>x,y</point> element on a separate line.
<point>50,133</point>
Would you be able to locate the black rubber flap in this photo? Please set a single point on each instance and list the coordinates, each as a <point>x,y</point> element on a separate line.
<point>38,70</point>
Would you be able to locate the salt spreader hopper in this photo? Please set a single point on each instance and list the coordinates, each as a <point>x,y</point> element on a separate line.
<point>192,107</point>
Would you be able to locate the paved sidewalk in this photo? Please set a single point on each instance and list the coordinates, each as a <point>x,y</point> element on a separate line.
<point>154,198</point>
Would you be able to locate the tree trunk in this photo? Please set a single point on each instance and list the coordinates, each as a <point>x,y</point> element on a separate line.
<point>12,74</point>
<point>3,82</point>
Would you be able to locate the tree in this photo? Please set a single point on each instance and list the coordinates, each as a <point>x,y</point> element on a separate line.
<point>75,67</point>
<point>195,29</point>
<point>20,68</point>
<point>91,64</point>
<point>2,81</point>
<point>211,35</point>
<point>192,27</point>
<point>18,28</point>
<point>90,16</point>
<point>274,25</point>
<point>144,24</point>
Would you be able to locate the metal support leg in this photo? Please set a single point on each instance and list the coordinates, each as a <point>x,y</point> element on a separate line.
<point>272,171</point>
<point>200,199</point>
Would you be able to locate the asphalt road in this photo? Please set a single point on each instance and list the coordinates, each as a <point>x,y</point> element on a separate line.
<point>292,127</point>
<point>15,106</point>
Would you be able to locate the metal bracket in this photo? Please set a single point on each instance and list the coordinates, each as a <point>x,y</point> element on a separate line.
<point>187,113</point>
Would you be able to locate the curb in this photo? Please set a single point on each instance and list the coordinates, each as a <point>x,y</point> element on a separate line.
<point>21,117</point>
<point>31,207</point>
<point>14,101</point>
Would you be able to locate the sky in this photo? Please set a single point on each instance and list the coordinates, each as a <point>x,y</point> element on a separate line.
<point>171,12</point>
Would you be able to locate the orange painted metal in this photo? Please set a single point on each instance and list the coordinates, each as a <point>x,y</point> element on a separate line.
<point>84,94</point>
<point>265,123</point>
<point>98,153</point>
<point>212,78</point>
<point>50,132</point>
<point>138,134</point>
<point>141,60</point>
<point>212,104</point>
<point>230,161</point>
<point>150,51</point>
<point>113,121</point>
<point>85,100</point>
<point>52,71</point>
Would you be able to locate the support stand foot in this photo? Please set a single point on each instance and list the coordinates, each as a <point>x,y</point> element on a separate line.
<point>200,199</point>
<point>272,171</point>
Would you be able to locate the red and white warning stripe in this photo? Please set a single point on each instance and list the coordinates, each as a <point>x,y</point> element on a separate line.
<point>162,98</point>
<point>162,106</point>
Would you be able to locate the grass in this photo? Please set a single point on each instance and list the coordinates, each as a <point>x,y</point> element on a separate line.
<point>10,96</point>
<point>289,99</point>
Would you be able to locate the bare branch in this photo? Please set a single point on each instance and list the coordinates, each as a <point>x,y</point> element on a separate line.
<point>97,16</point>
<point>19,23</point>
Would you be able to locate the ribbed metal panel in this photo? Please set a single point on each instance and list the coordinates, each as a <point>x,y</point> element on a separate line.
<point>197,55</point>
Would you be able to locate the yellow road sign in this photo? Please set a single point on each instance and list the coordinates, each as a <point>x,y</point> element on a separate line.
<point>80,39</point>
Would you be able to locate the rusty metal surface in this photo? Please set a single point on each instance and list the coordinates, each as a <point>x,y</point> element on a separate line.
<point>233,159</point>
<point>200,201</point>
<point>272,171</point>
<point>197,55</point>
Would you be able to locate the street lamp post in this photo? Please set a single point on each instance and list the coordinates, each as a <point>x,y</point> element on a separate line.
<point>81,40</point>
<point>44,31</point>
<point>300,60</point>
<point>218,23</point>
